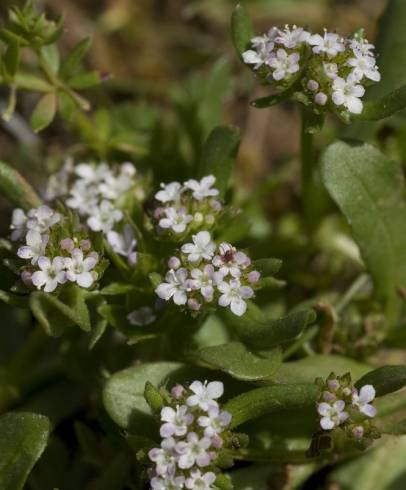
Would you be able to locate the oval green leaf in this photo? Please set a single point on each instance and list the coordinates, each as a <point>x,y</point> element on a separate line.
<point>385,379</point>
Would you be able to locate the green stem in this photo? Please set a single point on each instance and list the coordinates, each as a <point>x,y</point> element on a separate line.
<point>352,291</point>
<point>307,158</point>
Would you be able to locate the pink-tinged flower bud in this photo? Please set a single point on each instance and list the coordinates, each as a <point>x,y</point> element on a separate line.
<point>159,212</point>
<point>320,98</point>
<point>94,255</point>
<point>26,278</point>
<point>174,263</point>
<point>177,391</point>
<point>312,85</point>
<point>333,384</point>
<point>67,244</point>
<point>193,304</point>
<point>132,259</point>
<point>358,432</point>
<point>254,276</point>
<point>216,205</point>
<point>329,397</point>
<point>85,245</point>
<point>217,441</point>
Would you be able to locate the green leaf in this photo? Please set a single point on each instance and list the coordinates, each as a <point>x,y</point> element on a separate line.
<point>241,29</point>
<point>386,106</point>
<point>267,267</point>
<point>260,332</point>
<point>71,62</point>
<point>385,379</point>
<point>23,438</point>
<point>264,401</point>
<point>11,59</point>
<point>85,80</point>
<point>234,359</point>
<point>27,81</point>
<point>218,155</point>
<point>118,288</point>
<point>382,468</point>
<point>17,189</point>
<point>44,112</point>
<point>123,394</point>
<point>55,315</point>
<point>368,188</point>
<point>50,54</point>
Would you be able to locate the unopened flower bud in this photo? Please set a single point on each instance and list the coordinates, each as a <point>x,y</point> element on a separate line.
<point>177,391</point>
<point>358,432</point>
<point>216,205</point>
<point>26,278</point>
<point>254,276</point>
<point>128,169</point>
<point>347,391</point>
<point>320,98</point>
<point>209,219</point>
<point>328,397</point>
<point>312,85</point>
<point>174,263</point>
<point>333,384</point>
<point>198,217</point>
<point>67,244</point>
<point>193,304</point>
<point>85,245</point>
<point>132,259</point>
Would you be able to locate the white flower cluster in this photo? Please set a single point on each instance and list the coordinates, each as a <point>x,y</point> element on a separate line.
<point>207,274</point>
<point>335,69</point>
<point>193,429</point>
<point>341,403</point>
<point>51,263</point>
<point>93,191</point>
<point>187,207</point>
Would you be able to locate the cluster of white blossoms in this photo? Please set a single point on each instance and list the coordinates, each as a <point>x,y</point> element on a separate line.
<point>205,274</point>
<point>51,260</point>
<point>193,430</point>
<point>187,207</point>
<point>341,404</point>
<point>95,192</point>
<point>333,71</point>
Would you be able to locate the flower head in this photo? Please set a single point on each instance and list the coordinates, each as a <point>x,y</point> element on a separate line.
<point>348,93</point>
<point>175,219</point>
<point>104,217</point>
<point>79,269</point>
<point>176,421</point>
<point>332,415</point>
<point>284,64</point>
<point>169,192</point>
<point>201,248</point>
<point>175,286</point>
<point>233,295</point>
<point>51,274</point>
<point>205,394</point>
<point>203,188</point>
<point>35,246</point>
<point>330,43</point>
<point>362,400</point>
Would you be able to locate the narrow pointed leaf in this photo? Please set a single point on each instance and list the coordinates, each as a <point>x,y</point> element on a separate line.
<point>16,188</point>
<point>72,60</point>
<point>385,379</point>
<point>241,29</point>
<point>44,112</point>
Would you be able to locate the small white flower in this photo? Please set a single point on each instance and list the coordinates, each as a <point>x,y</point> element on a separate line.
<point>92,174</point>
<point>290,38</point>
<point>50,275</point>
<point>193,451</point>
<point>168,482</point>
<point>215,421</point>
<point>175,286</point>
<point>141,317</point>
<point>332,415</point>
<point>176,421</point>
<point>175,219</point>
<point>364,66</point>
<point>80,269</point>
<point>330,43</point>
<point>203,188</point>
<point>113,186</point>
<point>170,192</point>
<point>104,217</point>
<point>123,243</point>
<point>230,261</point>
<point>202,247</point>
<point>18,224</point>
<point>362,400</point>
<point>331,70</point>
<point>205,394</point>
<point>82,197</point>
<point>233,295</point>
<point>35,246</point>
<point>362,48</point>
<point>348,93</point>
<point>260,54</point>
<point>164,457</point>
<point>199,481</point>
<point>205,280</point>
<point>284,64</point>
<point>42,218</point>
